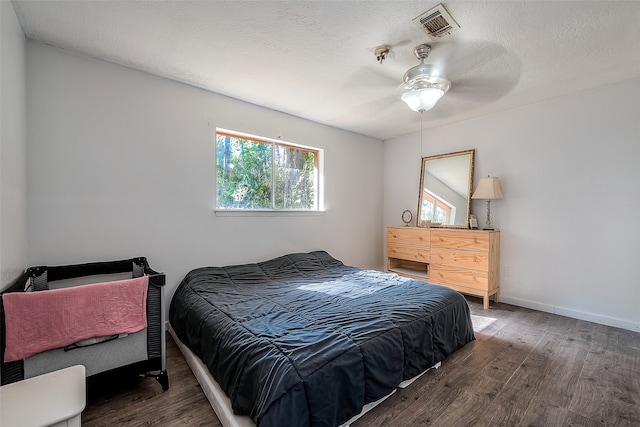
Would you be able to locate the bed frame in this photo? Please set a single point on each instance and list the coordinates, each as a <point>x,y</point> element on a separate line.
<point>221,404</point>
<point>141,353</point>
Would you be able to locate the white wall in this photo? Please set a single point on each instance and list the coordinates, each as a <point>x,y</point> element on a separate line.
<point>121,164</point>
<point>13,179</point>
<point>570,234</point>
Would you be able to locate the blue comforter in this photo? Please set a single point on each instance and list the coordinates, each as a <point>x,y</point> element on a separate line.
<point>303,340</point>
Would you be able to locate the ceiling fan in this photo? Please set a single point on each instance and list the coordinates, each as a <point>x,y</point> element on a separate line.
<point>468,72</point>
<point>422,86</point>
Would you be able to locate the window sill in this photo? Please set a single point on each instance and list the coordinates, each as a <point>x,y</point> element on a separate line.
<point>264,213</point>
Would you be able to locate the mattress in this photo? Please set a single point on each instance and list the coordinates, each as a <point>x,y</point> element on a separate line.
<point>303,340</point>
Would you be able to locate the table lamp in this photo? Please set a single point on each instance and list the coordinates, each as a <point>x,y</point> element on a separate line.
<point>488,189</point>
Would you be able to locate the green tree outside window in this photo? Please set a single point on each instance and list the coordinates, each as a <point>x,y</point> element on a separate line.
<point>262,175</point>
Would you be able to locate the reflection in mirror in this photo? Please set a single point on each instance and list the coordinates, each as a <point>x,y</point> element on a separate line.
<point>445,190</point>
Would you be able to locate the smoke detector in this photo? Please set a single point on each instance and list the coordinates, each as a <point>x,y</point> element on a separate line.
<point>436,22</point>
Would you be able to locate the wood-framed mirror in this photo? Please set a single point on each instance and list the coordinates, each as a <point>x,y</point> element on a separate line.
<point>446,183</point>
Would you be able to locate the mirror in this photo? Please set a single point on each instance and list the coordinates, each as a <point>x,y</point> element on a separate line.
<point>446,182</point>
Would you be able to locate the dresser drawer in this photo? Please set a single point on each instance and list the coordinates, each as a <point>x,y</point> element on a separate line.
<point>411,253</point>
<point>474,240</point>
<point>408,236</point>
<point>459,258</point>
<point>473,279</point>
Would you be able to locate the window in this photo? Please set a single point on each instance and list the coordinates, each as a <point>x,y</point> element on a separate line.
<point>436,209</point>
<point>256,173</point>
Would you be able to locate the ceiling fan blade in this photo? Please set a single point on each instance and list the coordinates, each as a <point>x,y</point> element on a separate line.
<point>482,89</point>
<point>479,71</point>
<point>377,106</point>
<point>370,77</point>
<point>456,59</point>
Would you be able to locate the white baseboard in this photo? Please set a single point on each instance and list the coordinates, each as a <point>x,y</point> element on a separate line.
<point>589,317</point>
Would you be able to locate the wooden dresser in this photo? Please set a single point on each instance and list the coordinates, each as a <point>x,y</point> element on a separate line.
<point>465,260</point>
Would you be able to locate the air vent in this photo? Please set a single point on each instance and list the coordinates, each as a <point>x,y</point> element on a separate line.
<point>436,22</point>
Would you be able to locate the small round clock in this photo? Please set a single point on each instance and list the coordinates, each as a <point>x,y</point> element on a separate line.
<point>407,216</point>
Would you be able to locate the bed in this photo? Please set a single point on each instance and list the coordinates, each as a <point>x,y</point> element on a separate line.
<point>132,354</point>
<point>304,340</point>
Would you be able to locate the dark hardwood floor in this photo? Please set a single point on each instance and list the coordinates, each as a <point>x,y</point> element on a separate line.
<point>525,368</point>
<point>145,404</point>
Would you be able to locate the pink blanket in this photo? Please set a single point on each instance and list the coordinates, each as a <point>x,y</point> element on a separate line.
<point>43,320</point>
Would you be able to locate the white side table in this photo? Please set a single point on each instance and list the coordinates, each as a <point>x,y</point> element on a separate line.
<point>53,399</point>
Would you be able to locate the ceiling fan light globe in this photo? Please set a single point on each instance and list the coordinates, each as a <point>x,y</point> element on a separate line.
<point>422,99</point>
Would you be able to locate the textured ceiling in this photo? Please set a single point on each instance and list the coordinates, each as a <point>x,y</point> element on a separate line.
<point>314,59</point>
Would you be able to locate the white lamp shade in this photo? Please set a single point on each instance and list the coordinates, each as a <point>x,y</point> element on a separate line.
<point>422,99</point>
<point>488,189</point>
